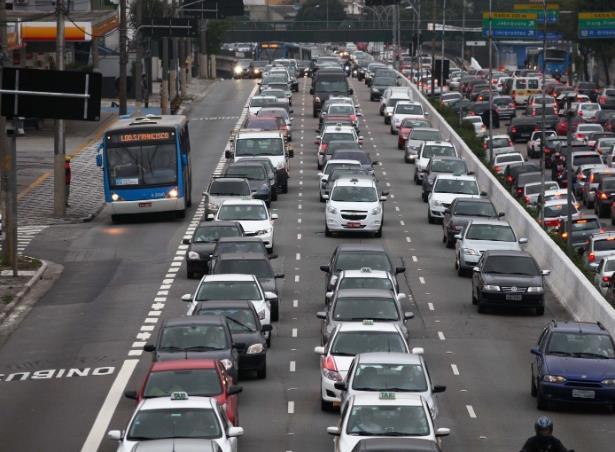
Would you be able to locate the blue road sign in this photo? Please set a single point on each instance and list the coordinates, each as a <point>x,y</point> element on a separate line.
<point>597,33</point>
<point>509,33</point>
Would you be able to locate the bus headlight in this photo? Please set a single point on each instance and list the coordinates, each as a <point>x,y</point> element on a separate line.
<point>115,197</point>
<point>173,193</point>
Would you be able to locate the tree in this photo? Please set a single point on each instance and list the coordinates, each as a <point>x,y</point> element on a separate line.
<point>319,10</point>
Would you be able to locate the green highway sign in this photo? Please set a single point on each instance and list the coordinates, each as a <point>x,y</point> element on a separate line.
<point>597,25</point>
<point>538,8</point>
<point>510,21</point>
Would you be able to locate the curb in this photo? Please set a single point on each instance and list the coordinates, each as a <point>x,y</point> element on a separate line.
<point>8,309</point>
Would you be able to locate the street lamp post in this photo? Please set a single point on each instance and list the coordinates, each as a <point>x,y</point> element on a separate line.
<point>442,55</point>
<point>544,93</point>
<point>490,81</point>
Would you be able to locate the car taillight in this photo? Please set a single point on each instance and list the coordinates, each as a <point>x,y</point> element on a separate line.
<point>602,100</point>
<point>591,257</point>
<point>603,196</point>
<point>510,179</point>
<point>519,190</point>
<point>513,130</point>
<point>497,168</point>
<point>471,113</point>
<point>581,113</point>
<point>552,223</point>
<point>511,105</point>
<point>329,369</point>
<point>323,148</point>
<point>606,279</point>
<point>353,118</point>
<point>527,200</point>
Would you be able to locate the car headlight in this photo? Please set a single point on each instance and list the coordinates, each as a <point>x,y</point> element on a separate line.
<point>608,382</point>
<point>554,379</point>
<point>376,211</point>
<point>375,90</point>
<point>264,188</point>
<point>255,348</point>
<point>389,113</point>
<point>491,287</point>
<point>237,70</point>
<point>331,209</point>
<point>317,100</point>
<point>193,255</point>
<point>471,252</point>
<point>534,289</point>
<point>263,231</point>
<point>435,202</point>
<point>261,314</point>
<point>227,363</point>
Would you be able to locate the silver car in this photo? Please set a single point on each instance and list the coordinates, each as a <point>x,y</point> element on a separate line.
<point>480,236</point>
<point>224,188</point>
<point>599,247</point>
<point>415,140</point>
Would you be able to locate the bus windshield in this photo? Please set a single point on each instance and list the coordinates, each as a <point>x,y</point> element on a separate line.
<point>141,163</point>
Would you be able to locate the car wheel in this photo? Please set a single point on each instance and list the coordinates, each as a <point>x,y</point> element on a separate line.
<point>449,243</point>
<point>430,219</point>
<point>285,187</point>
<point>406,159</point>
<point>540,310</point>
<point>387,120</point>
<point>533,390</point>
<point>392,131</point>
<point>315,114</point>
<point>400,146</point>
<point>115,219</point>
<point>326,406</point>
<point>269,340</point>
<point>321,198</point>
<point>474,299</point>
<point>589,204</point>
<point>327,231</point>
<point>541,402</point>
<point>480,308</point>
<point>416,179</point>
<point>424,196</point>
<point>379,232</point>
<point>261,373</point>
<point>275,311</point>
<point>274,195</point>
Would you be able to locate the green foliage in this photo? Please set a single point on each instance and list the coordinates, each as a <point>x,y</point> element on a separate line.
<point>215,30</point>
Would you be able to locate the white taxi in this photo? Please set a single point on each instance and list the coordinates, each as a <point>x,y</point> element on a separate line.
<point>382,415</point>
<point>446,188</point>
<point>365,278</point>
<point>403,110</point>
<point>428,150</point>
<point>181,417</point>
<point>354,205</point>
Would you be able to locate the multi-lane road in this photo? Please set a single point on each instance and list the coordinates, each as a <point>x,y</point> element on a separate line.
<point>119,280</point>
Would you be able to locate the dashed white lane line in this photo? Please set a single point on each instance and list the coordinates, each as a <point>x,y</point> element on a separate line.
<point>408,239</point>
<point>388,184</point>
<point>414,259</point>
<point>384,173</point>
<point>298,256</point>
<point>430,306</point>
<point>295,303</point>
<point>455,369</point>
<point>397,208</point>
<point>471,411</point>
<point>298,236</point>
<point>293,332</point>
<point>298,220</point>
<point>402,222</point>
<point>441,336</point>
<point>297,278</point>
<point>421,280</point>
<point>291,407</point>
<point>292,366</point>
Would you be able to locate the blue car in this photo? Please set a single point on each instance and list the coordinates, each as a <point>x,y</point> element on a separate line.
<point>574,362</point>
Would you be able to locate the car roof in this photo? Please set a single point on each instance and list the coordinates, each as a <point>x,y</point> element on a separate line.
<point>514,253</point>
<point>160,403</point>
<point>344,161</point>
<point>492,221</point>
<point>397,444</point>
<point>184,364</point>
<point>238,239</point>
<point>200,320</point>
<point>507,154</point>
<point>236,304</point>
<point>228,277</point>
<point>244,202</point>
<point>368,325</point>
<point>453,177</point>
<point>365,293</point>
<point>212,224</point>
<point>352,181</point>
<point>439,143</point>
<point>498,136</point>
<point>388,358</point>
<point>243,256</point>
<point>423,129</point>
<point>572,326</point>
<point>229,179</point>
<point>259,134</point>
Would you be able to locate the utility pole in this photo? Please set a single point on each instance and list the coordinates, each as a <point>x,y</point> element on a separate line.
<point>463,30</point>
<point>59,201</point>
<point>164,86</point>
<point>123,59</point>
<point>433,47</point>
<point>569,115</point>
<point>139,94</point>
<point>3,140</point>
<point>442,56</point>
<point>490,81</point>
<point>544,95</point>
<point>203,49</point>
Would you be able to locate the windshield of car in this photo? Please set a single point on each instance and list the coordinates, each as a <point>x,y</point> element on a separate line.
<point>331,85</point>
<point>462,187</point>
<point>579,160</point>
<point>257,267</point>
<point>390,377</point>
<point>195,382</point>
<point>259,146</point>
<point>174,423</point>
<point>432,150</point>
<point>558,210</point>
<point>448,166</point>
<point>532,189</point>
<point>408,109</point>
<point>335,145</point>
<point>508,158</point>
<point>515,265</point>
<point>263,101</point>
<point>581,345</point>
<point>606,244</point>
<point>250,172</point>
<point>208,234</point>
<point>229,188</point>
<point>413,122</point>
<point>239,320</point>
<point>491,232</point>
<point>228,290</point>
<point>589,107</point>
<point>275,92</point>
<point>357,309</point>
<point>501,142</point>
<point>240,247</point>
<point>366,283</point>
<point>350,343</point>
<point>387,420</point>
<point>502,100</point>
<point>195,337</point>
<point>425,135</point>
<point>354,194</point>
<point>341,110</point>
<point>525,178</point>
<point>247,212</point>
<point>361,259</point>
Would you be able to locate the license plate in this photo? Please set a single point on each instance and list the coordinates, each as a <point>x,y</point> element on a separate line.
<point>145,204</point>
<point>514,297</point>
<point>353,224</point>
<point>583,394</point>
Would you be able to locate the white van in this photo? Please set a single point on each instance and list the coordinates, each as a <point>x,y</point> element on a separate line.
<point>523,88</point>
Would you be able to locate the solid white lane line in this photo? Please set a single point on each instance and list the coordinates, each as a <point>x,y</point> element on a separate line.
<point>455,369</point>
<point>430,306</point>
<point>471,411</point>
<point>414,259</point>
<point>421,280</point>
<point>291,407</point>
<point>293,332</point>
<point>441,336</point>
<point>292,366</point>
<point>99,428</point>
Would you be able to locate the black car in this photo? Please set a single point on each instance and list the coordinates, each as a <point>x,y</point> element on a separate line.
<point>441,165</point>
<point>521,128</point>
<point>380,83</point>
<point>257,177</point>
<point>605,196</point>
<point>251,245</point>
<point>206,337</point>
<point>508,279</point>
<point>514,169</point>
<point>522,179</point>
<point>252,264</point>
<point>396,445</point>
<point>356,257</point>
<point>203,242</point>
<point>328,83</point>
<point>276,187</point>
<point>359,155</point>
<point>461,212</point>
<point>247,332</point>
<point>588,88</point>
<point>583,228</point>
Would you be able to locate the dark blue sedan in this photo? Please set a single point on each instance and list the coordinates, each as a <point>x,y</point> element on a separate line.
<point>574,362</point>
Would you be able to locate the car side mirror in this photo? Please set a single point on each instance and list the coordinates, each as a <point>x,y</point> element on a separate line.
<point>535,351</point>
<point>186,241</point>
<point>340,385</point>
<point>228,154</point>
<point>457,236</point>
<point>427,114</point>
<point>270,296</point>
<point>476,269</point>
<point>325,197</point>
<point>149,348</point>
<point>325,268</point>
<point>321,315</point>
<point>438,388</point>
<point>443,432</point>
<point>130,394</point>
<point>267,328</point>
<point>522,241</point>
<point>187,297</point>
<point>274,216</point>
<point>399,270</point>
<point>279,275</point>
<point>317,140</point>
<point>350,92</point>
<point>312,91</point>
<point>408,315</point>
<point>335,431</point>
<point>401,296</point>
<point>359,114</point>
<point>447,211</point>
<point>210,217</point>
<point>383,198</point>
<point>99,160</point>
<point>320,350</point>
<point>501,214</point>
<point>234,432</point>
<point>235,389</point>
<point>329,295</point>
<point>115,435</point>
<point>272,256</point>
<point>291,153</point>
<point>545,272</point>
<point>483,193</point>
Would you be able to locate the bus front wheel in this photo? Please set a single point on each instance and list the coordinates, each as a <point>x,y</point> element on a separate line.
<point>115,218</point>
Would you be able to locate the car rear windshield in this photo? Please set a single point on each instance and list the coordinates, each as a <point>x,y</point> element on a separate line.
<point>208,234</point>
<point>501,142</point>
<point>240,247</point>
<point>532,189</point>
<point>358,155</point>
<point>432,150</point>
<point>409,109</point>
<point>413,122</point>
<point>259,268</point>
<point>609,92</point>
<point>240,320</point>
<point>474,209</point>
<point>491,232</point>
<point>511,265</point>
<point>256,172</point>
<point>182,338</point>
<point>337,136</point>
<point>231,188</point>
<point>558,210</point>
<point>608,184</point>
<point>361,259</point>
<point>334,145</point>
<point>502,101</point>
<point>333,166</point>
<point>351,343</point>
<point>526,178</point>
<point>194,382</point>
<point>228,290</point>
<point>341,110</point>
<point>390,377</point>
<point>583,224</point>
<point>384,81</point>
<point>461,187</point>
<point>508,158</point>
<point>579,160</point>
<point>606,244</point>
<point>581,345</point>
<point>366,283</point>
<point>362,308</point>
<point>425,135</point>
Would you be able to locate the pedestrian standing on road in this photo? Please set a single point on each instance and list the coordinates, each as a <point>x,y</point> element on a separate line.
<point>67,178</point>
<point>145,90</point>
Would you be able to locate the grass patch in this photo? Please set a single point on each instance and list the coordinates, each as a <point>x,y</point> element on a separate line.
<point>6,299</point>
<point>23,263</point>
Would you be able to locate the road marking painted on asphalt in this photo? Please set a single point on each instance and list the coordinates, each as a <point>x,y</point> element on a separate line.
<point>414,259</point>
<point>471,411</point>
<point>430,306</point>
<point>167,281</point>
<point>99,428</point>
<point>397,208</point>
<point>455,369</point>
<point>392,196</point>
<point>135,352</point>
<point>293,332</point>
<point>162,292</point>
<point>158,306</point>
<point>295,303</point>
<point>408,239</point>
<point>298,220</point>
<point>151,320</point>
<point>292,366</point>
<point>384,173</point>
<point>388,184</point>
<point>291,407</point>
<point>297,277</point>
<point>299,206</point>
<point>402,222</point>
<point>153,314</point>
<point>298,236</point>
<point>441,336</point>
<point>421,280</point>
<point>298,256</point>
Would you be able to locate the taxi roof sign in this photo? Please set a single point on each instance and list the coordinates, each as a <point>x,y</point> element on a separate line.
<point>388,395</point>
<point>366,269</point>
<point>179,395</point>
<point>368,322</point>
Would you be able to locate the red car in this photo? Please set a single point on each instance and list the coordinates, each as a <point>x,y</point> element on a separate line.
<point>561,128</point>
<point>197,377</point>
<point>406,127</point>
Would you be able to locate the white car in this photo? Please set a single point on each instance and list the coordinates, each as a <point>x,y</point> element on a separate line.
<point>343,109</point>
<point>502,144</point>
<point>588,111</point>
<point>531,191</point>
<point>428,150</point>
<point>328,169</point>
<point>395,372</point>
<point>604,273</point>
<point>347,340</point>
<point>253,216</point>
<point>480,236</point>
<point>385,415</point>
<point>258,102</point>
<point>477,122</point>
<point>405,110</point>
<point>533,144</point>
<point>178,417</point>
<point>501,161</point>
<point>415,140</point>
<point>445,189</point>
<point>555,211</point>
<point>366,278</point>
<point>354,205</point>
<point>233,287</point>
<point>583,130</point>
<point>397,92</point>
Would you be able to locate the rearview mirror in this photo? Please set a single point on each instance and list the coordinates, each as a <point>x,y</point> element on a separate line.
<point>116,435</point>
<point>210,217</point>
<point>335,431</point>
<point>443,432</point>
<point>279,275</point>
<point>235,389</point>
<point>324,268</point>
<point>438,388</point>
<point>187,297</point>
<point>483,193</point>
<point>186,241</point>
<point>130,394</point>
<point>228,154</point>
<point>320,350</point>
<point>383,198</point>
<point>545,272</point>
<point>401,296</point>
<point>274,216</point>
<point>321,315</point>
<point>458,236</point>
<point>522,240</point>
<point>476,269</point>
<point>399,270</point>
<point>535,351</point>
<point>408,315</point>
<point>501,214</point>
<point>99,160</point>
<point>149,348</point>
<point>267,328</point>
<point>418,351</point>
<point>325,197</point>
<point>340,385</point>
<point>270,296</point>
<point>233,432</point>
<point>312,91</point>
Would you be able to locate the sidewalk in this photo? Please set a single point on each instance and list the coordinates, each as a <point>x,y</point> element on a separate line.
<point>35,164</point>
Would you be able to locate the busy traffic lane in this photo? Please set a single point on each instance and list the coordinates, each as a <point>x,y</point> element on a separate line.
<point>91,316</point>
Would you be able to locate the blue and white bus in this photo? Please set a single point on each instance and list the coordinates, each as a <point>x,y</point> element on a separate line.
<point>146,165</point>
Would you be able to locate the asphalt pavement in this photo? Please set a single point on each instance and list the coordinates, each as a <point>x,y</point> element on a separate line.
<point>117,276</point>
